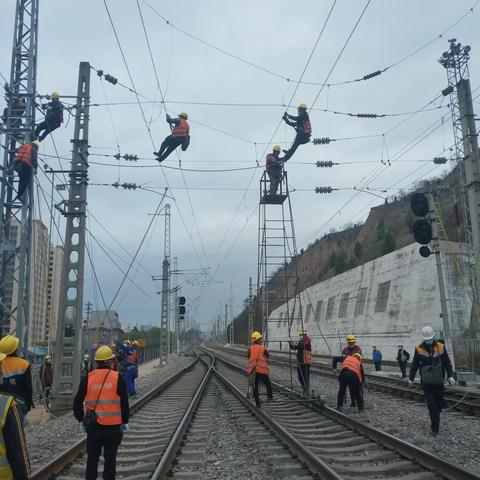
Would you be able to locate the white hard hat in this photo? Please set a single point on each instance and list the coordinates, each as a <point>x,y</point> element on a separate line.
<point>427,333</point>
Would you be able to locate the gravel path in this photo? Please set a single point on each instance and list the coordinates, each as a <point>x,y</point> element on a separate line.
<point>49,438</point>
<point>458,441</point>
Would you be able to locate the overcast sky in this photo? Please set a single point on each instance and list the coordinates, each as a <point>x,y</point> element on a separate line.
<point>276,35</point>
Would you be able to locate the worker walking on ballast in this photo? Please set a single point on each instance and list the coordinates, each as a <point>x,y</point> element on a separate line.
<point>274,167</point>
<point>353,376</point>
<point>53,117</point>
<point>180,136</point>
<point>25,164</point>
<point>304,359</point>
<point>258,366</point>
<point>302,126</point>
<point>432,359</point>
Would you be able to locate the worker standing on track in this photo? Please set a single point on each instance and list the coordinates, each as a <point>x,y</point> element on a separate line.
<point>353,376</point>
<point>304,359</point>
<point>274,167</point>
<point>104,392</point>
<point>25,164</point>
<point>46,377</point>
<point>431,358</point>
<point>349,350</point>
<point>131,367</point>
<point>402,358</point>
<point>53,117</point>
<point>302,126</point>
<point>16,374</point>
<point>14,462</point>
<point>258,356</point>
<point>377,359</point>
<point>180,136</point>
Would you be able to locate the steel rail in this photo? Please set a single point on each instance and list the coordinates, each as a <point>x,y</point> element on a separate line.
<point>69,455</point>
<point>165,464</point>
<point>406,449</point>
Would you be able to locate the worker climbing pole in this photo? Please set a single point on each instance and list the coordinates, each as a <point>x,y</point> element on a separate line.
<point>277,277</point>
<point>18,124</point>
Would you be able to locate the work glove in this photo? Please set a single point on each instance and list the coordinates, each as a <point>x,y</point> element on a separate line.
<point>125,427</point>
<point>451,381</point>
<point>411,383</point>
<point>285,115</point>
<point>82,427</point>
<point>168,117</point>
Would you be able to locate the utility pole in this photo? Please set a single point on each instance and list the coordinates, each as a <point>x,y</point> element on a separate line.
<point>231,339</point>
<point>455,61</point>
<point>16,217</point>
<point>225,324</point>
<point>68,348</point>
<point>88,312</point>
<point>250,309</point>
<point>164,323</point>
<point>175,315</point>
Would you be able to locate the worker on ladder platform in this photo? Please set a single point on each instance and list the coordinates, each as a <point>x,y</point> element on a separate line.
<point>258,366</point>
<point>304,359</point>
<point>353,376</point>
<point>25,164</point>
<point>53,117</point>
<point>131,367</point>
<point>180,136</point>
<point>16,374</point>
<point>302,126</point>
<point>274,167</point>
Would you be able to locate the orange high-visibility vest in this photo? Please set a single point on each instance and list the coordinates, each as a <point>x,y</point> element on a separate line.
<point>182,129</point>
<point>308,356</point>
<point>133,357</point>
<point>353,364</point>
<point>108,407</point>
<point>24,154</point>
<point>258,360</point>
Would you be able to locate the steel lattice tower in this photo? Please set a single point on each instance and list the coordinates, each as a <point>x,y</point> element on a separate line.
<point>16,218</point>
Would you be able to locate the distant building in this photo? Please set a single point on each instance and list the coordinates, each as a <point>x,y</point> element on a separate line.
<point>55,265</point>
<point>104,327</point>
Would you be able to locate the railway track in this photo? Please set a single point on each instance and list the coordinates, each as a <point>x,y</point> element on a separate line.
<point>457,399</point>
<point>335,446</point>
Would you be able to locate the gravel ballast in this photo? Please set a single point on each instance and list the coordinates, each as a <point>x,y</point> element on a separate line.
<point>49,438</point>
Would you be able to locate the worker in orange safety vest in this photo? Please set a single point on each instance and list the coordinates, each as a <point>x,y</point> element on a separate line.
<point>353,376</point>
<point>258,366</point>
<point>25,163</point>
<point>104,394</point>
<point>180,136</point>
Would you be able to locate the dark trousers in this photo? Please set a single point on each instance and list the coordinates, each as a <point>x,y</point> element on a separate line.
<point>266,380</point>
<point>434,397</point>
<point>130,373</point>
<point>47,127</point>
<point>168,146</point>
<point>303,371</point>
<point>24,177</point>
<point>300,139</point>
<point>274,177</point>
<point>378,366</point>
<point>109,438</point>
<point>403,368</point>
<point>350,379</point>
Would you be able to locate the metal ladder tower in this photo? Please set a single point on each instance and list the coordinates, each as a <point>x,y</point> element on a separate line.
<point>16,218</point>
<point>68,347</point>
<point>164,320</point>
<point>277,276</point>
<point>455,61</point>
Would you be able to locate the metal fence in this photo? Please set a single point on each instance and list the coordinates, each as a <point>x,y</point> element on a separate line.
<point>466,353</point>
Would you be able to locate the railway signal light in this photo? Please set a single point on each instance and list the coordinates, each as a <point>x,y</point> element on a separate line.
<point>422,228</point>
<point>181,307</point>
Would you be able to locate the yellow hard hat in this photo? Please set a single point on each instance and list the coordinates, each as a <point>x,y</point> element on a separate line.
<point>399,345</point>
<point>9,344</point>
<point>351,338</point>
<point>277,148</point>
<point>302,106</point>
<point>183,115</point>
<point>127,342</point>
<point>302,332</point>
<point>135,342</point>
<point>357,355</point>
<point>2,357</point>
<point>36,143</point>
<point>55,95</point>
<point>86,356</point>
<point>104,353</point>
<point>48,357</point>
<point>256,336</point>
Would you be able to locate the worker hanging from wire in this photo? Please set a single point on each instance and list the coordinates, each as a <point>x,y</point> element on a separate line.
<point>53,117</point>
<point>25,163</point>
<point>274,167</point>
<point>304,359</point>
<point>303,127</point>
<point>180,136</point>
